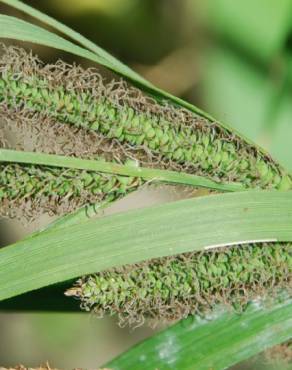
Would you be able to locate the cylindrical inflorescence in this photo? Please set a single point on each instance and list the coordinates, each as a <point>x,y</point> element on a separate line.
<point>171,288</point>
<point>34,188</point>
<point>157,134</point>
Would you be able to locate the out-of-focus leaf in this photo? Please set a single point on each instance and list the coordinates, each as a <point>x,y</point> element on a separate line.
<point>214,344</point>
<point>280,136</point>
<point>260,27</point>
<point>236,92</point>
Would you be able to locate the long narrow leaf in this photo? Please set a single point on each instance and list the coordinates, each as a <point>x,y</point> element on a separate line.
<point>150,174</point>
<point>13,28</point>
<point>217,344</point>
<point>76,36</point>
<point>194,224</point>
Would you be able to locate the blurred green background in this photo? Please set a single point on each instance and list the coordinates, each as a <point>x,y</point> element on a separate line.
<point>231,58</point>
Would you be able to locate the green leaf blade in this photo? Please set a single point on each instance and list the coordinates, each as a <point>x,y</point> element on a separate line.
<point>76,36</point>
<point>17,29</point>
<point>150,174</point>
<point>217,344</point>
<point>57,255</point>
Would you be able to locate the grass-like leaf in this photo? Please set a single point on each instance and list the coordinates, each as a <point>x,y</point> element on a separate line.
<point>107,58</point>
<point>149,174</point>
<point>71,248</point>
<point>64,253</point>
<point>217,343</point>
<point>14,28</point>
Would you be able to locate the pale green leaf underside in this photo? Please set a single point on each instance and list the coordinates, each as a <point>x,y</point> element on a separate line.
<point>195,344</point>
<point>191,225</point>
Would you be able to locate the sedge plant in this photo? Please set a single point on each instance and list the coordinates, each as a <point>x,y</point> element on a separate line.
<point>134,131</point>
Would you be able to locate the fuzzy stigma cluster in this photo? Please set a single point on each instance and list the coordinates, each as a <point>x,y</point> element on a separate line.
<point>157,134</point>
<point>172,288</point>
<point>28,189</point>
<point>118,122</point>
